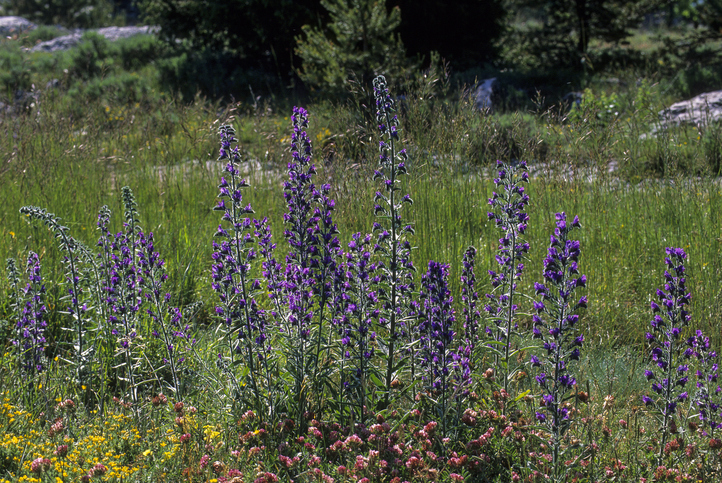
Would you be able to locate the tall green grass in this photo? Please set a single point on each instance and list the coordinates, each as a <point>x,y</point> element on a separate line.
<point>165,152</point>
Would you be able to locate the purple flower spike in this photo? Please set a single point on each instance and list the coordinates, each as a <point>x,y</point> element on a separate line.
<point>556,325</point>
<point>669,351</point>
<point>29,305</point>
<point>242,321</point>
<point>392,245</point>
<point>708,397</point>
<point>354,305</point>
<point>470,299</point>
<point>508,203</point>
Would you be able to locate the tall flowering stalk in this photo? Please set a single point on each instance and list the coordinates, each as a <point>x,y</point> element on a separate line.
<point>29,303</point>
<point>306,282</point>
<point>129,239</point>
<point>397,269</point>
<point>355,304</point>
<point>168,323</point>
<point>102,288</point>
<point>123,298</point>
<point>555,324</point>
<point>669,375</point>
<point>436,336</point>
<point>470,301</point>
<point>708,397</point>
<point>72,260</point>
<point>502,304</point>
<point>243,322</point>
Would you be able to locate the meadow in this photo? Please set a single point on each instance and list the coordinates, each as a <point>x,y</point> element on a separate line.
<point>359,393</point>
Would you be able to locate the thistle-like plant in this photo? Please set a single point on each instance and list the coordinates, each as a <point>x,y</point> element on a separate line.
<point>670,353</point>
<point>76,307</point>
<point>243,323</point>
<point>502,304</point>
<point>555,324</point>
<point>397,269</point>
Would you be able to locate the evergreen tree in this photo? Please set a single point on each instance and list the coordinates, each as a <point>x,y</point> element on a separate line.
<point>567,27</point>
<point>360,41</point>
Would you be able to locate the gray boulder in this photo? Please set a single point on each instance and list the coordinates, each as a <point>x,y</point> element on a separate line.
<point>15,25</point>
<point>483,94</point>
<point>699,110</point>
<point>111,33</point>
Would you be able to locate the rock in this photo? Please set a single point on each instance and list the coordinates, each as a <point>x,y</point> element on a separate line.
<point>59,43</point>
<point>111,33</point>
<point>572,99</point>
<point>483,94</point>
<point>116,33</point>
<point>699,110</point>
<point>15,25</point>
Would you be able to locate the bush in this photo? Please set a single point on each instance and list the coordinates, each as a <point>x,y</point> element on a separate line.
<point>92,57</point>
<point>41,34</point>
<point>140,50</point>
<point>14,72</point>
<point>124,88</point>
<point>360,41</point>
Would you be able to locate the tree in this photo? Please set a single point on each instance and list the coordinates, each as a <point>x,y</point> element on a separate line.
<point>254,31</point>
<point>359,41</point>
<point>463,31</point>
<point>566,28</point>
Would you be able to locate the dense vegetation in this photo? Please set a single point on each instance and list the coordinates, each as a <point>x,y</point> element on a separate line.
<point>326,270</point>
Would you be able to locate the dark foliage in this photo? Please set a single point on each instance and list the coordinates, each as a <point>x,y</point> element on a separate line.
<point>260,31</point>
<point>463,32</point>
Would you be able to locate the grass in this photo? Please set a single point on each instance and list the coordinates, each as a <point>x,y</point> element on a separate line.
<point>73,167</point>
<point>71,151</point>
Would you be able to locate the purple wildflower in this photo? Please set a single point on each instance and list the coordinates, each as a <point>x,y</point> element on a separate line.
<point>708,397</point>
<point>470,299</point>
<point>29,338</point>
<point>556,325</point>
<point>397,282</point>
<point>72,262</point>
<point>436,337</point>
<point>355,304</point>
<point>508,214</point>
<point>243,321</point>
<point>167,319</point>
<point>669,373</point>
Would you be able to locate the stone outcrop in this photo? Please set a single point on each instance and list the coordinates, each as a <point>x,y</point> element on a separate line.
<point>10,26</point>
<point>111,33</point>
<point>699,110</point>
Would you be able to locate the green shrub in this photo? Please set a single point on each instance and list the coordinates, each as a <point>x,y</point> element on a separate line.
<point>360,41</point>
<point>92,56</point>
<point>14,72</point>
<point>41,34</point>
<point>139,50</point>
